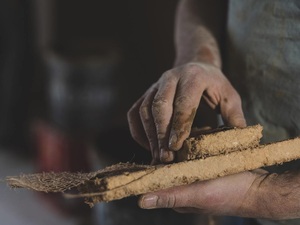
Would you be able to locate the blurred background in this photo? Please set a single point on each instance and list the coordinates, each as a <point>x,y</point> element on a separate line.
<point>69,72</point>
<point>78,66</point>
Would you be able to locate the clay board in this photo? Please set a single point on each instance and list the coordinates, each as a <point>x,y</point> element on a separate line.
<point>125,179</point>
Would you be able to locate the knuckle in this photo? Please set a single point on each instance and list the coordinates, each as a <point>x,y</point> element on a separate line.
<point>168,201</point>
<point>158,104</point>
<point>170,74</point>
<point>171,201</point>
<point>182,100</point>
<point>192,68</point>
<point>161,135</point>
<point>144,113</point>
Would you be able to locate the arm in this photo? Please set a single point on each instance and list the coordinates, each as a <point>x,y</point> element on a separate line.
<point>199,31</point>
<point>249,194</point>
<point>162,118</point>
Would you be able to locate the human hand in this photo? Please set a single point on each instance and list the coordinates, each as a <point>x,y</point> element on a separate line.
<point>162,118</point>
<point>256,194</point>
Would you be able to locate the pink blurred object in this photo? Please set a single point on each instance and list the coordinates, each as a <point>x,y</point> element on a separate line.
<point>57,152</point>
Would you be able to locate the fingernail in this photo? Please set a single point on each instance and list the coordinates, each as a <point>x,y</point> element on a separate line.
<point>173,140</point>
<point>166,155</point>
<point>149,202</point>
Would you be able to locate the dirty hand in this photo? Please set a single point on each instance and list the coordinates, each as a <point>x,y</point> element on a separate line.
<point>249,194</point>
<point>162,118</point>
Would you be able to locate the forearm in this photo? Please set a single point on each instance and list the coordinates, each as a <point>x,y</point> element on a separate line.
<point>274,197</point>
<point>199,27</point>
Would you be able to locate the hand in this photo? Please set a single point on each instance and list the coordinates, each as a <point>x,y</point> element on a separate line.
<point>222,196</point>
<point>162,118</point>
<point>249,194</point>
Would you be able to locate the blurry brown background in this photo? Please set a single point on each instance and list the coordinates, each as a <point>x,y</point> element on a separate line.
<point>78,65</point>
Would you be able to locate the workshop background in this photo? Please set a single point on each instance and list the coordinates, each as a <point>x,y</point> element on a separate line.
<point>69,72</point>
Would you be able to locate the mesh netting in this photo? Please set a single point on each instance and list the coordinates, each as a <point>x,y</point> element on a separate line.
<point>61,182</point>
<point>49,182</point>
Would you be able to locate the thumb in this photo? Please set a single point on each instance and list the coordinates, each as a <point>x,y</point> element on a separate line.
<point>154,201</point>
<point>170,198</point>
<point>231,111</point>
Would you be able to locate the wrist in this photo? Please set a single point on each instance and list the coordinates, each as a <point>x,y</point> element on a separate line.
<point>207,54</point>
<point>272,196</point>
<point>250,204</point>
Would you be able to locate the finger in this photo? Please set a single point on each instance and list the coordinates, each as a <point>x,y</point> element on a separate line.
<point>220,195</point>
<point>136,126</point>
<point>148,124</point>
<point>177,197</point>
<point>186,102</point>
<point>231,109</point>
<point>162,110</point>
